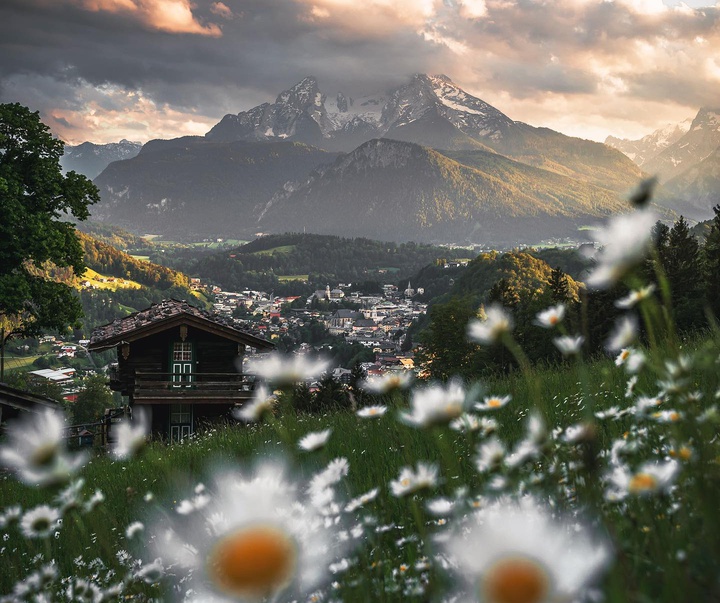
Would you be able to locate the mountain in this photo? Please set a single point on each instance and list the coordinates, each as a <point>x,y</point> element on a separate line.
<point>430,110</point>
<point>191,186</point>
<point>646,148</point>
<point>702,139</point>
<point>90,159</point>
<point>694,192</point>
<point>401,191</point>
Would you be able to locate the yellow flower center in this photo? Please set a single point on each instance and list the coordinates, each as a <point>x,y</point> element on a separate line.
<point>642,482</point>
<point>515,580</point>
<point>494,402</point>
<point>254,561</point>
<point>43,455</point>
<point>624,355</point>
<point>554,320</point>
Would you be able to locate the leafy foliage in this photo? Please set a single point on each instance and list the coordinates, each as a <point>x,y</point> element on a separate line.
<point>33,195</point>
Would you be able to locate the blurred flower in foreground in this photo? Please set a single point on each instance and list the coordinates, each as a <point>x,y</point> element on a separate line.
<point>569,346</point>
<point>625,241</point>
<point>131,439</point>
<point>435,405</point>
<point>517,553</point>
<point>256,539</point>
<point>547,319</point>
<point>262,402</point>
<point>492,402</point>
<point>386,383</point>
<point>371,412</point>
<point>35,448</point>
<point>497,322</point>
<point>624,333</point>
<point>40,522</point>
<point>651,478</point>
<point>634,297</point>
<point>314,440</point>
<point>410,481</point>
<point>284,370</point>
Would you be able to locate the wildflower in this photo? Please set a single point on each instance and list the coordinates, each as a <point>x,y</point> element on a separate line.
<point>490,455</point>
<point>83,590</point>
<point>645,403</point>
<point>257,539</point>
<point>624,333</point>
<point>497,322</point>
<point>151,573</point>
<point>625,241</point>
<point>40,522</point>
<point>314,440</point>
<point>569,346</point>
<point>134,528</point>
<point>410,482</point>
<point>262,402</point>
<point>35,448</point>
<point>631,359</point>
<point>630,388</point>
<point>131,439</point>
<point>371,412</point>
<point>435,405</point>
<point>516,553</point>
<point>361,500</point>
<point>96,499</point>
<point>331,475</point>
<point>70,497</point>
<point>387,382</point>
<point>634,297</point>
<point>493,403</point>
<point>650,478</point>
<point>553,316</point>
<point>440,507</point>
<point>667,416</point>
<point>285,371</point>
<point>471,422</point>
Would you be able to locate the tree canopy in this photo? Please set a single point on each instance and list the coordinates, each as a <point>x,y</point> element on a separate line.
<point>35,196</point>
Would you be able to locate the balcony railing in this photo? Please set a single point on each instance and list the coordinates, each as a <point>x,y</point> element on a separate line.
<point>216,388</point>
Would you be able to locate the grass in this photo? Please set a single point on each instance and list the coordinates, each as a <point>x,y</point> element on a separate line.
<point>274,250</point>
<point>648,534</point>
<point>20,363</point>
<point>100,281</point>
<point>293,277</point>
<point>142,258</point>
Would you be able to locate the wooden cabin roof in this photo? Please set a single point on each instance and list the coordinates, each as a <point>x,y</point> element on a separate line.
<point>24,400</point>
<point>166,314</point>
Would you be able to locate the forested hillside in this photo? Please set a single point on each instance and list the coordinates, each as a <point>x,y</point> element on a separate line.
<point>303,262</point>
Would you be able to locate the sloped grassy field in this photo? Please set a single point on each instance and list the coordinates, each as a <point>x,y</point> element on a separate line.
<point>662,536</point>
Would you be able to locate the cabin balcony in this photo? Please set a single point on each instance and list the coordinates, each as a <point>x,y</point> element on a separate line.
<point>187,388</point>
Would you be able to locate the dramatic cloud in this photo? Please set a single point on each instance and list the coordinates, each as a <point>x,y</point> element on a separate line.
<point>105,69</point>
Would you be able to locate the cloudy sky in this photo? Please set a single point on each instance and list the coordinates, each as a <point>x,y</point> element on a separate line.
<point>102,70</point>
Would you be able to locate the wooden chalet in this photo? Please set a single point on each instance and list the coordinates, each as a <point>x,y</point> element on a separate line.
<point>179,363</point>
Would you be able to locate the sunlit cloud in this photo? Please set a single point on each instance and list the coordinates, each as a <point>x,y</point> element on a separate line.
<point>222,10</point>
<point>174,16</point>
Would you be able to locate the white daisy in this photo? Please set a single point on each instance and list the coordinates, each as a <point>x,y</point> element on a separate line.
<point>262,402</point>
<point>283,370</point>
<point>35,448</point>
<point>131,437</point>
<point>497,322</point>
<point>258,539</point>
<point>40,522</point>
<point>314,440</point>
<point>133,529</point>
<point>634,297</point>
<point>435,405</point>
<point>516,552</point>
<point>410,482</point>
<point>371,412</point>
<point>553,316</point>
<point>569,346</point>
<point>492,403</point>
<point>490,455</point>
<point>625,241</point>
<point>361,500</point>
<point>651,478</point>
<point>623,335</point>
<point>387,382</point>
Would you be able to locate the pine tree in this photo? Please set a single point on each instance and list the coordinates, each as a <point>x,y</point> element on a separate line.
<point>684,275</point>
<point>559,286</point>
<point>711,264</point>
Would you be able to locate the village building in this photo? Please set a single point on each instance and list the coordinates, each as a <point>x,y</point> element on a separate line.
<point>179,364</point>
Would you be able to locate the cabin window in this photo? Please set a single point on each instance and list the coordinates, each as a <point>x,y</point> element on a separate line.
<point>182,351</point>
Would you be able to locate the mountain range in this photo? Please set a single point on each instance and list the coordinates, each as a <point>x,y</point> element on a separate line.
<point>425,161</point>
<point>91,159</point>
<point>686,159</point>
